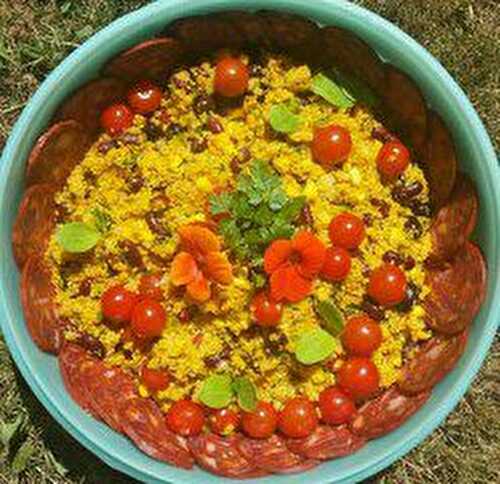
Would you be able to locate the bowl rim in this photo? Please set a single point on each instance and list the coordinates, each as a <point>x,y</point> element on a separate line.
<point>373,464</point>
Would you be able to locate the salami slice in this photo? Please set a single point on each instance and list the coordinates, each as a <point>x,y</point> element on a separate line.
<point>406,108</point>
<point>441,160</point>
<point>455,221</point>
<point>56,153</point>
<point>327,443</point>
<point>34,223</point>
<point>87,103</point>
<point>251,28</point>
<point>37,299</point>
<point>458,289</point>
<point>386,413</point>
<point>273,455</point>
<point>221,456</point>
<point>431,363</point>
<point>153,59</point>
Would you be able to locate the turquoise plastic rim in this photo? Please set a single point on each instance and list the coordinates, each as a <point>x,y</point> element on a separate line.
<point>476,156</point>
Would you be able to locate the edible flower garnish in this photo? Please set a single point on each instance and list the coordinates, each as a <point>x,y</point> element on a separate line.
<point>200,262</point>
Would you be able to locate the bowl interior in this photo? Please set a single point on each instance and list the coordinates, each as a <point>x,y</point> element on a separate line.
<point>476,157</point>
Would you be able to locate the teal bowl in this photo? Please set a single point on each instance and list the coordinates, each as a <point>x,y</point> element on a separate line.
<point>476,155</point>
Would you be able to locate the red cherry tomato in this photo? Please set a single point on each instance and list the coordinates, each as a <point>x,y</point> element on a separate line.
<point>298,418</point>
<point>155,380</point>
<point>331,145</point>
<point>265,311</point>
<point>117,304</point>
<point>116,119</point>
<point>150,286</point>
<point>337,264</point>
<point>148,319</point>
<point>346,230</point>
<point>144,97</point>
<point>336,406</point>
<point>361,335</point>
<point>231,77</point>
<point>359,378</point>
<point>261,423</point>
<point>387,285</point>
<point>393,159</point>
<point>224,421</point>
<point>186,418</point>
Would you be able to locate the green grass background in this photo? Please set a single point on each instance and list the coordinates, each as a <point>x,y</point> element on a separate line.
<point>36,35</point>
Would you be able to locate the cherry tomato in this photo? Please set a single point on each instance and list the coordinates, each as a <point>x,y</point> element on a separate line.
<point>117,304</point>
<point>144,97</point>
<point>337,264</point>
<point>261,423</point>
<point>265,311</point>
<point>155,380</point>
<point>346,230</point>
<point>387,285</point>
<point>116,119</point>
<point>224,421</point>
<point>150,286</point>
<point>298,418</point>
<point>336,406</point>
<point>186,417</point>
<point>331,145</point>
<point>148,318</point>
<point>393,159</point>
<point>358,377</point>
<point>231,77</point>
<point>361,335</point>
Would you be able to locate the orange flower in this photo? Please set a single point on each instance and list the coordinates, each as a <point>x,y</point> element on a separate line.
<point>200,262</point>
<point>293,264</point>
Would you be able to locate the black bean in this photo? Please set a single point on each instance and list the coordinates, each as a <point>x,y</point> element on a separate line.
<point>413,189</point>
<point>155,223</point>
<point>421,209</point>
<point>214,125</point>
<point>382,134</point>
<point>409,263</point>
<point>135,182</point>
<point>203,103</point>
<point>411,296</point>
<point>373,310</point>
<point>173,129</point>
<point>131,254</point>
<point>93,345</point>
<point>393,257</point>
<point>414,226</point>
<point>198,145</point>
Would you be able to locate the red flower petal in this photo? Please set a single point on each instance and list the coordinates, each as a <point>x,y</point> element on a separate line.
<point>312,253</point>
<point>277,254</point>
<point>199,290</point>
<point>184,269</point>
<point>198,240</point>
<point>287,284</point>
<point>218,268</point>
<point>278,281</point>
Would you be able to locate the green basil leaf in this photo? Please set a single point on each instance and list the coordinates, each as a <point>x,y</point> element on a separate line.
<point>216,391</point>
<point>357,90</point>
<point>314,346</point>
<point>326,87</point>
<point>245,393</point>
<point>332,318</point>
<point>77,237</point>
<point>283,120</point>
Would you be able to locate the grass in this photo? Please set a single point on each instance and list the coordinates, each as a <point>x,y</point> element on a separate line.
<point>36,35</point>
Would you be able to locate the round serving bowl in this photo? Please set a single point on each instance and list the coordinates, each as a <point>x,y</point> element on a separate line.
<point>475,154</point>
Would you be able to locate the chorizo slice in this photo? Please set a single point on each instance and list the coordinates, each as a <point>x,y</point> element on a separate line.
<point>56,153</point>
<point>431,363</point>
<point>34,223</point>
<point>386,413</point>
<point>252,29</point>
<point>153,59</point>
<point>221,456</point>
<point>458,288</point>
<point>455,221</point>
<point>406,108</point>
<point>441,160</point>
<point>37,299</point>
<point>273,455</point>
<point>327,443</point>
<point>86,104</point>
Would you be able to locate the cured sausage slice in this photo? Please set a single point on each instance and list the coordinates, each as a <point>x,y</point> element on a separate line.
<point>353,55</point>
<point>406,108</point>
<point>37,299</point>
<point>441,160</point>
<point>273,455</point>
<point>34,223</point>
<point>56,153</point>
<point>455,221</point>
<point>87,103</point>
<point>251,27</point>
<point>386,413</point>
<point>221,456</point>
<point>458,289</point>
<point>431,363</point>
<point>327,443</point>
<point>152,59</point>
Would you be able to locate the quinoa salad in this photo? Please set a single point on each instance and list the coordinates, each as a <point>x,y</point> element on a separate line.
<point>251,260</point>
